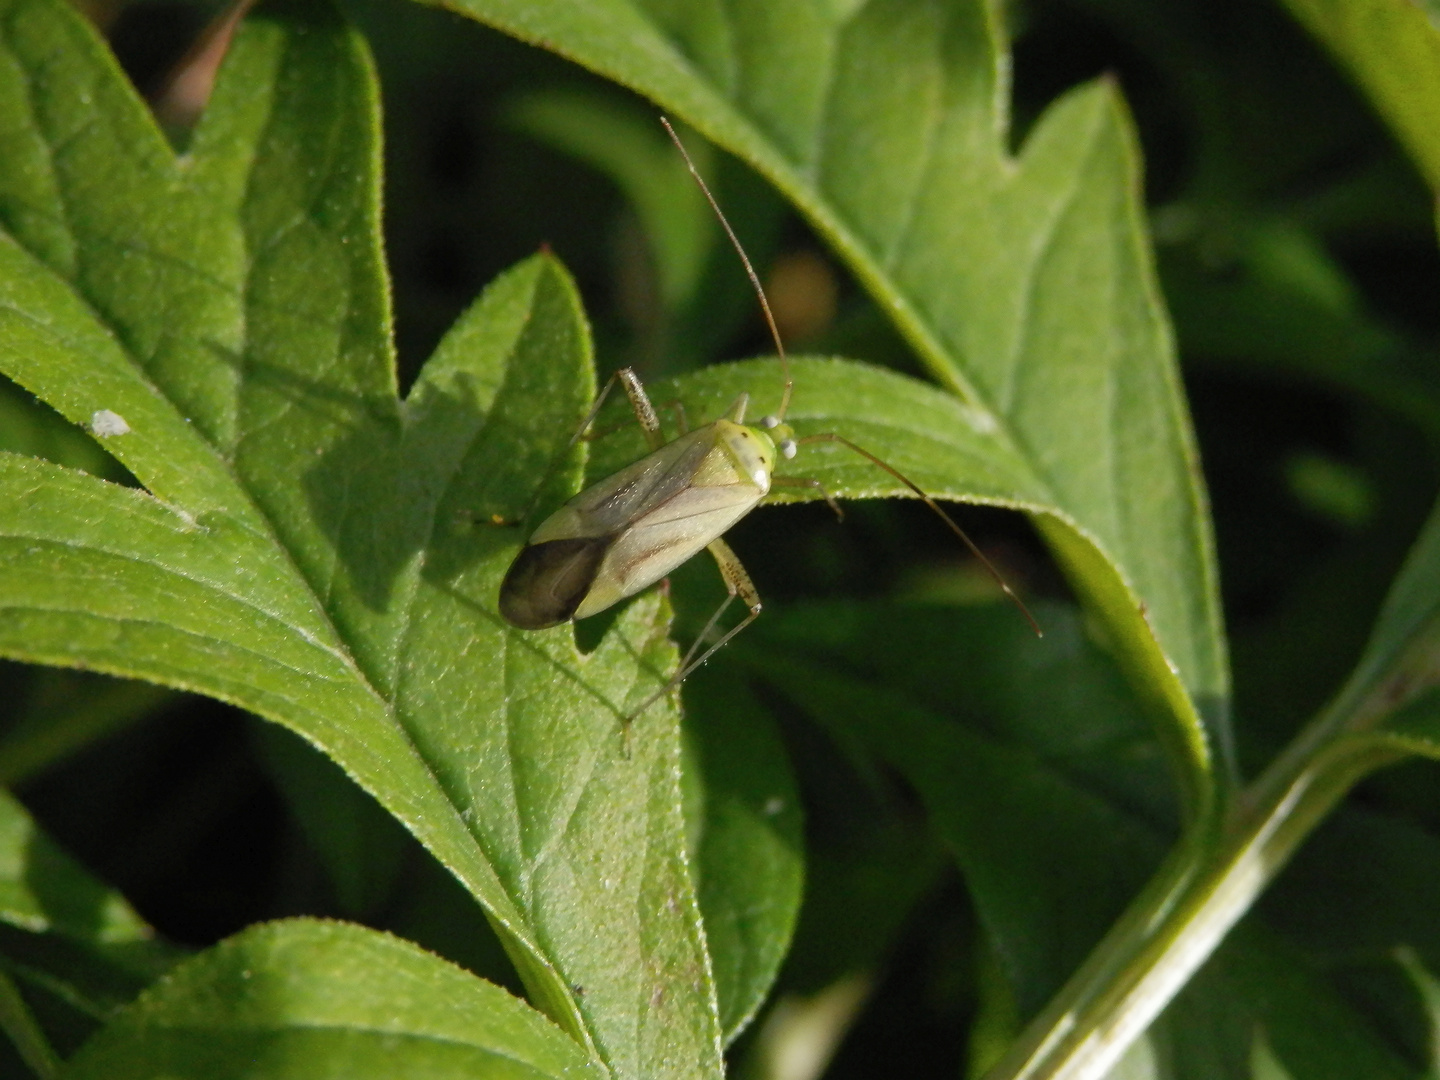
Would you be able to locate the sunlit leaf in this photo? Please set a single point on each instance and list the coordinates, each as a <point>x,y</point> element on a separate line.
<point>1021,280</point>
<point>303,998</point>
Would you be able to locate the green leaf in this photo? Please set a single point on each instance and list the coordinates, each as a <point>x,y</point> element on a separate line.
<point>1392,48</point>
<point>639,158</point>
<point>748,857</point>
<point>305,998</point>
<point>1022,281</point>
<point>68,941</point>
<point>43,890</point>
<point>308,546</point>
<point>1049,862</point>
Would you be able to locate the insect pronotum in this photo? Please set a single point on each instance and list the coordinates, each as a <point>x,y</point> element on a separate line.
<point>628,531</point>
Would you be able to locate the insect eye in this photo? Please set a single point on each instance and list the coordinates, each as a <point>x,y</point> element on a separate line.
<point>787,448</point>
<point>770,421</point>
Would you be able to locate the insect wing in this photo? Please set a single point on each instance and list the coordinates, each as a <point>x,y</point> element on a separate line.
<point>668,535</point>
<point>548,581</point>
<point>608,507</point>
<point>628,531</point>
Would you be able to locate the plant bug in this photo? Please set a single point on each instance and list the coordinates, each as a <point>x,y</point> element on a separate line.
<point>628,531</point>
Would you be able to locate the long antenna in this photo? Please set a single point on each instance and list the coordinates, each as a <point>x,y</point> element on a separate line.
<point>831,436</point>
<point>749,270</point>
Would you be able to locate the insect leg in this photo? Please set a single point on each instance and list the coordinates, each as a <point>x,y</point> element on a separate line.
<point>810,482</point>
<point>644,416</point>
<point>682,422</point>
<point>644,411</point>
<point>737,583</point>
<point>639,401</point>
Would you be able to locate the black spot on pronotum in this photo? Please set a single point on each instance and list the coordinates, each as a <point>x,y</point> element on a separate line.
<point>548,581</point>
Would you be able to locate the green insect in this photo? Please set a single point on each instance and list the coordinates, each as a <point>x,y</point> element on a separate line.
<point>628,531</point>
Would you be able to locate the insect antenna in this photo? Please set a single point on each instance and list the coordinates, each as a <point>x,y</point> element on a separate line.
<point>831,436</point>
<point>749,269</point>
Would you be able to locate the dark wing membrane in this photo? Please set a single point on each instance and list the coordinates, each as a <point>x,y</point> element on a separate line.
<point>547,581</point>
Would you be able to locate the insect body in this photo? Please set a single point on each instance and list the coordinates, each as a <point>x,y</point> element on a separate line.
<point>631,529</point>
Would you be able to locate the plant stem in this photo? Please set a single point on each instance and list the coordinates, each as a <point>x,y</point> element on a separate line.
<point>1203,889</point>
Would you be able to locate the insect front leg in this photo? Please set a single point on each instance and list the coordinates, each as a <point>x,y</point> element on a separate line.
<point>682,422</point>
<point>737,583</point>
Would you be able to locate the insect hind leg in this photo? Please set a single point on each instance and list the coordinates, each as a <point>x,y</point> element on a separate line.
<point>737,583</point>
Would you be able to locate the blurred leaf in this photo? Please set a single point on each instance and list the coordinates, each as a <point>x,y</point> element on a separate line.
<point>1258,999</point>
<point>24,1032</point>
<point>1395,689</point>
<point>859,893</point>
<point>76,944</point>
<point>303,998</point>
<point>1061,698</point>
<point>1022,281</point>
<point>800,1034</point>
<point>1362,892</point>
<point>1392,48</point>
<point>1331,488</point>
<point>308,546</point>
<point>361,846</point>
<point>1365,884</point>
<point>749,862</point>
<point>1049,864</point>
<point>43,890</point>
<point>684,295</point>
<point>634,152</point>
<point>65,711</point>
<point>1274,300</point>
<point>1428,988</point>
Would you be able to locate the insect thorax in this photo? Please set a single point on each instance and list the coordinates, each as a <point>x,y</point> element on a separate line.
<point>750,449</point>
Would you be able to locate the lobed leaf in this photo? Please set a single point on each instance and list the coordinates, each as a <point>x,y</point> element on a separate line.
<point>305,544</point>
<point>1021,280</point>
<point>307,998</point>
<point>1392,49</point>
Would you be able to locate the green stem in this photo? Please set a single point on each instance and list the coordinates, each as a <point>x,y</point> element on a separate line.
<point>1204,888</point>
<point>17,1022</point>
